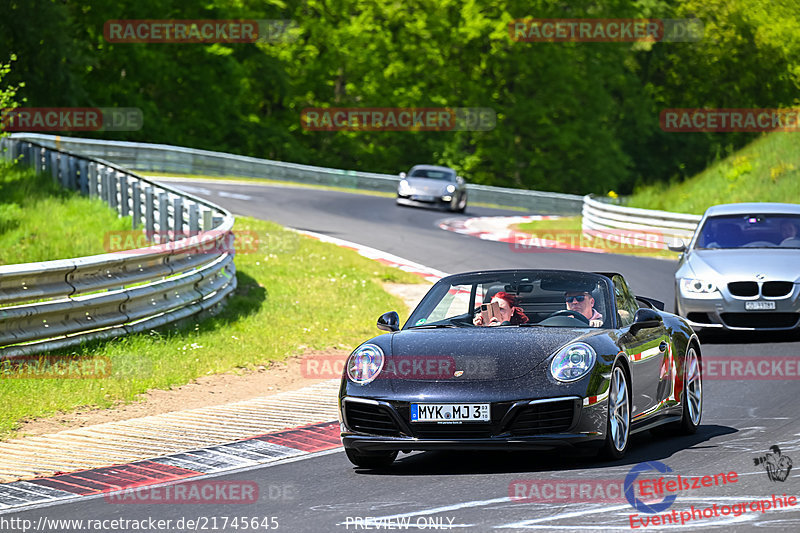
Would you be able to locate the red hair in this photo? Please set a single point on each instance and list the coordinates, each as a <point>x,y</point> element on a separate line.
<point>517,315</point>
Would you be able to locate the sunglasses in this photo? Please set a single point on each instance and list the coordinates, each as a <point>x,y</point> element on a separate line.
<point>579,298</point>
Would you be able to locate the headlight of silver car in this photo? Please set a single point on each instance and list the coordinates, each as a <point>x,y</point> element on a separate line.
<point>404,188</point>
<point>573,362</point>
<point>451,189</point>
<point>365,364</point>
<point>698,288</point>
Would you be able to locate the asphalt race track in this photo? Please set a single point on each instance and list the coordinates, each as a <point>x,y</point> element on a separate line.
<point>471,491</point>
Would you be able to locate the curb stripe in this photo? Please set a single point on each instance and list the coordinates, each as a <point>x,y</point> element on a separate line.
<point>247,452</point>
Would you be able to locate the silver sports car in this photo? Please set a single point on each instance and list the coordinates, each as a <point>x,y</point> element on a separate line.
<point>741,270</point>
<point>427,185</point>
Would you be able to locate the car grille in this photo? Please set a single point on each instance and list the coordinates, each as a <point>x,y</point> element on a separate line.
<point>760,320</point>
<point>776,289</point>
<point>772,289</point>
<point>542,418</point>
<point>372,419</point>
<point>743,288</point>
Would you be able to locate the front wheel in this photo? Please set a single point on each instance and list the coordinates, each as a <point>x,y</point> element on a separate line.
<point>618,424</point>
<point>692,393</point>
<point>370,460</point>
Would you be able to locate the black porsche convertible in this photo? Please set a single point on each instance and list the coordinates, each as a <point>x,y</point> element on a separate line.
<point>521,359</point>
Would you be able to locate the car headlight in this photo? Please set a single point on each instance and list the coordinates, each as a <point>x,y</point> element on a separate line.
<point>573,362</point>
<point>365,364</point>
<point>697,286</point>
<point>451,189</point>
<point>404,188</point>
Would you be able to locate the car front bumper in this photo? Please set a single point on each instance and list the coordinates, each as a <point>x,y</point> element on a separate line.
<point>723,310</point>
<point>418,200</point>
<point>543,424</point>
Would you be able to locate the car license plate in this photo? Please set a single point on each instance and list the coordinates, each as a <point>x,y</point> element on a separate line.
<point>759,306</point>
<point>445,412</point>
<point>423,198</point>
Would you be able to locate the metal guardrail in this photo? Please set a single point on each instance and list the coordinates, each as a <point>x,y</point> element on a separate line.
<point>188,269</point>
<point>614,222</point>
<point>165,158</point>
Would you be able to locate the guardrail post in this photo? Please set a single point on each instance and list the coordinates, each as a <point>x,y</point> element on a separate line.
<point>150,212</point>
<point>37,159</point>
<point>113,188</point>
<point>137,204</point>
<point>177,217</point>
<point>124,206</point>
<point>194,219</point>
<point>208,219</point>
<point>63,170</point>
<point>54,164</point>
<point>24,155</point>
<point>163,217</point>
<point>83,179</point>
<point>72,172</point>
<point>92,180</point>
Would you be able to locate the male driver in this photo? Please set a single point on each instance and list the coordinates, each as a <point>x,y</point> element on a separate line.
<point>583,303</point>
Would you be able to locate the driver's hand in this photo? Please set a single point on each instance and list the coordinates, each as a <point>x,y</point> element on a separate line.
<point>478,320</point>
<point>596,323</point>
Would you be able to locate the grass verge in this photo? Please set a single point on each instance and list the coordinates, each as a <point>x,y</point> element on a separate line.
<point>40,221</point>
<point>568,231</point>
<point>766,170</point>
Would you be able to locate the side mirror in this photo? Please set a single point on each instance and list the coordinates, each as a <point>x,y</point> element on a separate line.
<point>645,318</point>
<point>460,180</point>
<point>389,321</point>
<point>402,175</point>
<point>677,246</point>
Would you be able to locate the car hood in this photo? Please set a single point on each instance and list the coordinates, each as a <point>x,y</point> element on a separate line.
<point>733,265</point>
<point>427,185</point>
<point>495,353</point>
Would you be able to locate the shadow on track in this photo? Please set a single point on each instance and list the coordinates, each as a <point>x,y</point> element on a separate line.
<point>643,447</point>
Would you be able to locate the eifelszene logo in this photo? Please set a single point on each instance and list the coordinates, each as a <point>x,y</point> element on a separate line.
<point>777,465</point>
<point>630,479</point>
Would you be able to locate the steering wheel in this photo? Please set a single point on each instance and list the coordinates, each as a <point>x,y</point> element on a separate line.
<point>570,313</point>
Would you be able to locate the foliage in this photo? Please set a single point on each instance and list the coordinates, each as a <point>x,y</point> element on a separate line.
<point>572,117</point>
<point>767,170</point>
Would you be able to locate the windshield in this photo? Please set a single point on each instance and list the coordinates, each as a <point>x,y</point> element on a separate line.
<point>750,231</point>
<point>532,298</point>
<point>432,174</point>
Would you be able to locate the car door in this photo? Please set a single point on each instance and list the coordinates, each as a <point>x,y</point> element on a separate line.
<point>646,350</point>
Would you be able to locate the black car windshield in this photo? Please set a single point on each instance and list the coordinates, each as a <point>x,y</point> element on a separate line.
<point>432,174</point>
<point>516,298</point>
<point>750,231</point>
